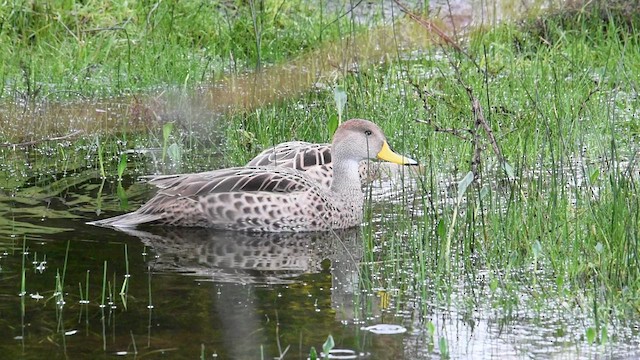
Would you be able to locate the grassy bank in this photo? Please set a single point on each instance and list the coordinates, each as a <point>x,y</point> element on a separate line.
<point>64,49</point>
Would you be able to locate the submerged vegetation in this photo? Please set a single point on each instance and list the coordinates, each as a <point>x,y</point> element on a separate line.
<point>543,115</point>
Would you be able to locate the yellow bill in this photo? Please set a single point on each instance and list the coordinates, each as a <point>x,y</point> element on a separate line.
<point>387,154</point>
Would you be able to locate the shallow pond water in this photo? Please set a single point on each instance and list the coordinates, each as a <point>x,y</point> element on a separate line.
<point>70,290</point>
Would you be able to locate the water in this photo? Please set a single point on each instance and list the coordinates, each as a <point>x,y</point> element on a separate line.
<point>183,293</point>
<point>232,294</point>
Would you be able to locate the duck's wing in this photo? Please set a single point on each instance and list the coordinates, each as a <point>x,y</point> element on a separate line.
<point>232,180</point>
<point>230,198</point>
<point>298,155</point>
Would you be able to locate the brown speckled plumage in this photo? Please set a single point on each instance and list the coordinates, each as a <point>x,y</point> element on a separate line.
<point>267,198</point>
<point>313,159</point>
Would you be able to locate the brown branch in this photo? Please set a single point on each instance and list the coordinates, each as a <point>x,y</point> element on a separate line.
<point>583,106</point>
<point>425,105</point>
<point>429,25</point>
<point>477,111</point>
<point>451,131</point>
<point>480,122</point>
<point>34,142</point>
<point>476,107</point>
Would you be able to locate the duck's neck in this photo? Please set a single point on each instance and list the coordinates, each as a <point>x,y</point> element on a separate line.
<point>346,178</point>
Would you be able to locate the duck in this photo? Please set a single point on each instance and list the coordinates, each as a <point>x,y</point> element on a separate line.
<point>315,160</point>
<point>268,198</point>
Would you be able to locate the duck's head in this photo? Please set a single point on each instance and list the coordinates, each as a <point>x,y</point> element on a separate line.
<point>358,139</point>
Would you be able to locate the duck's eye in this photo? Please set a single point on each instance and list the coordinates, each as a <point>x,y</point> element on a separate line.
<point>367,132</point>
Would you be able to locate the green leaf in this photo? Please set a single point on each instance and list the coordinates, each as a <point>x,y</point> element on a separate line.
<point>340,98</point>
<point>328,345</point>
<point>431,328</point>
<point>175,153</point>
<point>591,335</point>
<point>594,175</point>
<point>166,131</point>
<point>464,184</point>
<point>484,192</point>
<point>536,247</point>
<point>604,335</point>
<point>122,165</point>
<point>493,284</point>
<point>444,349</point>
<point>508,169</point>
<point>599,247</point>
<point>332,124</point>
<point>441,229</point>
<point>313,354</point>
<point>122,196</point>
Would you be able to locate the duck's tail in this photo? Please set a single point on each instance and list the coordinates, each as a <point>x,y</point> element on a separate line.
<point>130,220</point>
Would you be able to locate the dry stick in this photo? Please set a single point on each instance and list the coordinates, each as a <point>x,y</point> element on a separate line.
<point>583,106</point>
<point>477,111</point>
<point>455,132</point>
<point>480,121</point>
<point>34,142</point>
<point>452,131</point>
<point>476,108</point>
<point>476,160</point>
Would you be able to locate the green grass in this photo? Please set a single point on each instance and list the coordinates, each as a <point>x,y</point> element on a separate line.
<point>557,106</point>
<point>560,96</point>
<point>63,49</point>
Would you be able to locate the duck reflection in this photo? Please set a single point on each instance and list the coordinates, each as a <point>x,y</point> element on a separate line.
<point>244,268</point>
<point>247,258</point>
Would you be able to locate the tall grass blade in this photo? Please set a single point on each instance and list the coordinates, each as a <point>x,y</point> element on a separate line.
<point>166,133</point>
<point>100,157</point>
<point>462,189</point>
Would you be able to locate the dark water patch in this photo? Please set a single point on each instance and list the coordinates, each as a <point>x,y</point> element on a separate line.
<point>227,304</point>
<point>240,296</point>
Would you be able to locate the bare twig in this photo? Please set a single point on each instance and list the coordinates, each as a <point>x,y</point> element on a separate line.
<point>587,99</point>
<point>476,108</point>
<point>461,133</point>
<point>477,111</point>
<point>480,122</point>
<point>34,142</point>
